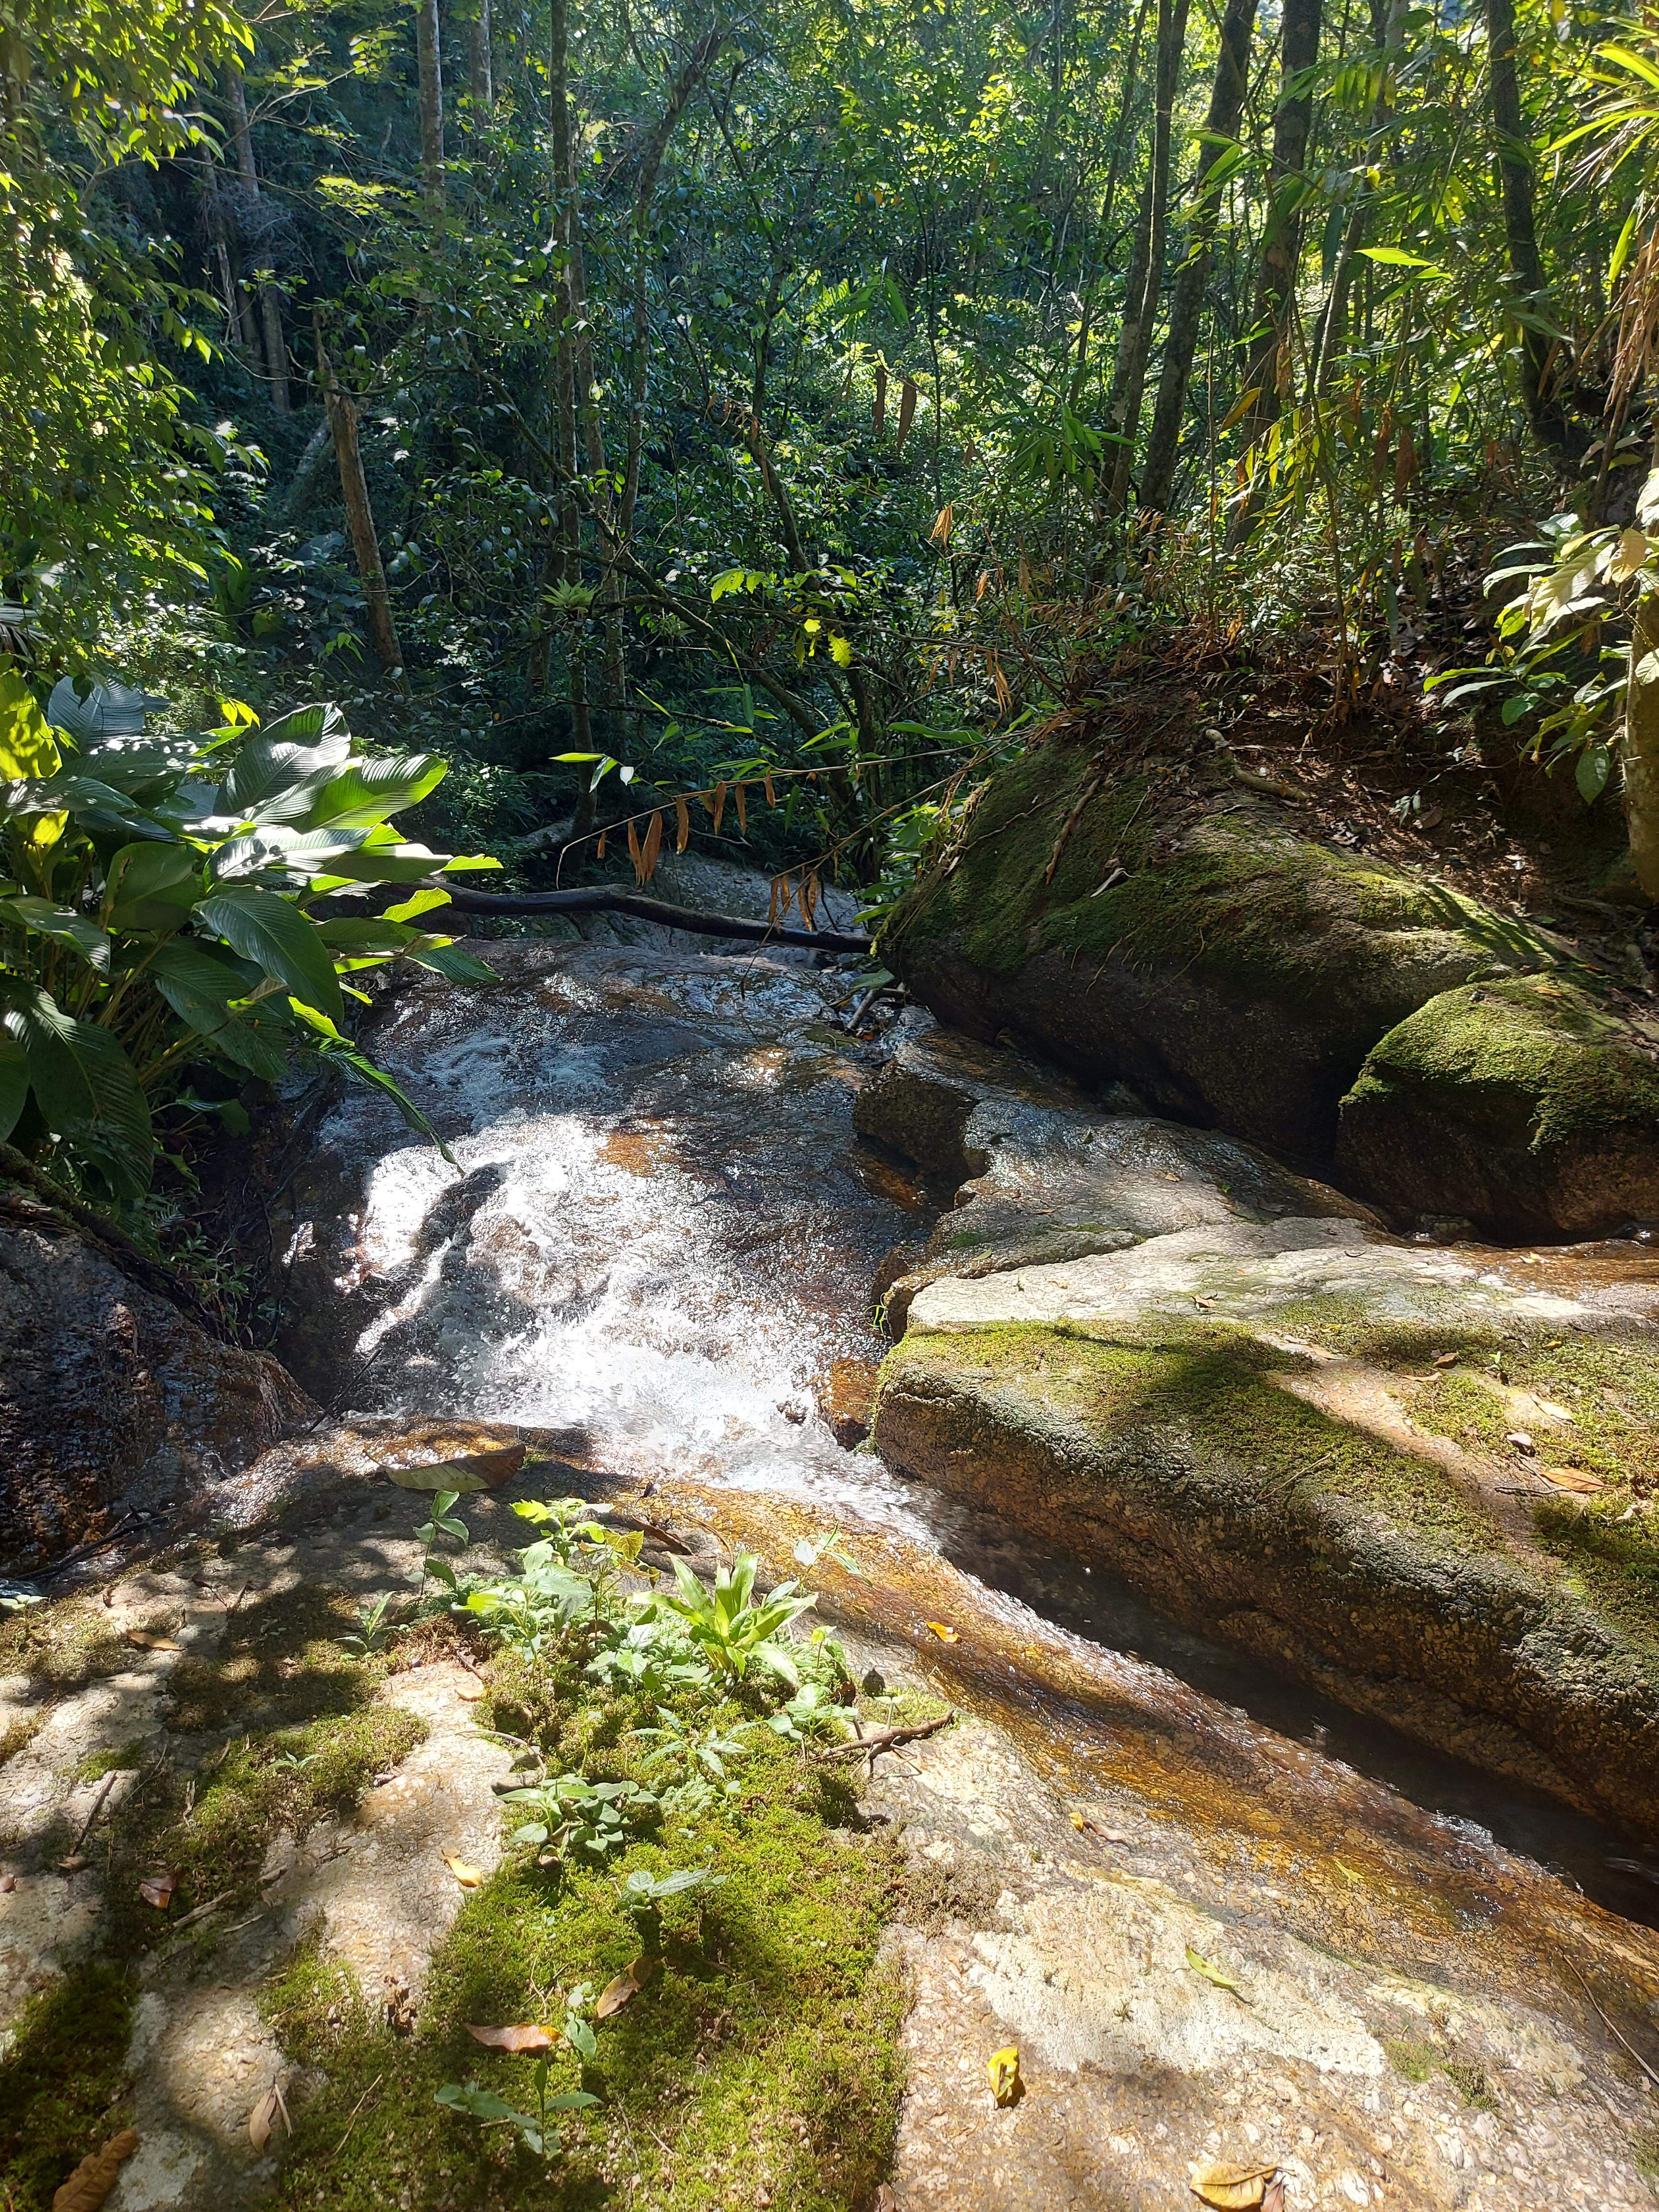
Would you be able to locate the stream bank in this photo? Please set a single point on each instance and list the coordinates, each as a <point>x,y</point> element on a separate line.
<point>656,1239</point>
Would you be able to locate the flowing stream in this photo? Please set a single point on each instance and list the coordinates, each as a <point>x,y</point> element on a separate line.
<point>657,1233</point>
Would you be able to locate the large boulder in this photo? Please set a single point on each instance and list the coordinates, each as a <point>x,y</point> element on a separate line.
<point>114,1404</point>
<point>1524,1106</point>
<point>1170,932</point>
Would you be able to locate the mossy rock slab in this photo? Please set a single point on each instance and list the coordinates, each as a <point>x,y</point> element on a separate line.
<point>1178,937</point>
<point>1048,1177</point>
<point>1256,1424</point>
<point>1525,1106</point>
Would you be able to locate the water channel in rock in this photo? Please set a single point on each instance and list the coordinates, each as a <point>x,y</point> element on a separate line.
<point>657,1232</point>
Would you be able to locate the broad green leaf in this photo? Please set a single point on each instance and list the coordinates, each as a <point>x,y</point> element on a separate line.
<point>1591,771</point>
<point>423,901</point>
<point>1395,257</point>
<point>273,931</point>
<point>275,773</point>
<point>445,958</point>
<point>85,1087</point>
<point>14,1082</point>
<point>151,886</point>
<point>46,920</point>
<point>108,710</point>
<point>275,849</point>
<point>27,749</point>
<point>366,790</point>
<point>366,935</point>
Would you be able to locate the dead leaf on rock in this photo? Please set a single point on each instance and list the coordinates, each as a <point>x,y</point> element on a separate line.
<point>1223,1980</point>
<point>1521,1440</point>
<point>471,1689</point>
<point>528,2036</point>
<point>616,1993</point>
<point>440,1475</point>
<point>944,1635</point>
<point>8,1883</point>
<point>262,2120</point>
<point>1449,1359</point>
<point>885,2200</point>
<point>1274,2199</point>
<point>1231,2188</point>
<point>429,1461</point>
<point>1003,2067</point>
<point>157,1889</point>
<point>73,1864</point>
<point>93,2179</point>
<point>469,1876</point>
<point>1572,1477</point>
<point>147,1639</point>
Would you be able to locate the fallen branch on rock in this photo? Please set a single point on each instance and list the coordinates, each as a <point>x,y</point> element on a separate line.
<point>605,898</point>
<point>888,1739</point>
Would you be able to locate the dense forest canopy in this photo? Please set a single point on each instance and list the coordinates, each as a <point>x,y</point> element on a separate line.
<point>641,405</point>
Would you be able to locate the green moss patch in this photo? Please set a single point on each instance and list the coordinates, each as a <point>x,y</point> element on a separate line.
<point>1536,1057</point>
<point>758,2065</point>
<point>1212,1385</point>
<point>61,2082</point>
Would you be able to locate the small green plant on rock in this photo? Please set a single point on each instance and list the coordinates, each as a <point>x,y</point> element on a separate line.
<point>732,1632</point>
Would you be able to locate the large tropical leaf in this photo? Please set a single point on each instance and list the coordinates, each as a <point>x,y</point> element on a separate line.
<point>284,942</point>
<point>14,1082</point>
<point>27,748</point>
<point>151,887</point>
<point>63,923</point>
<point>199,984</point>
<point>85,1087</point>
<point>368,791</point>
<point>278,852</point>
<point>108,710</point>
<point>275,773</point>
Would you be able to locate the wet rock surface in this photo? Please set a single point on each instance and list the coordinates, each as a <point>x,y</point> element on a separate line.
<point>114,1406</point>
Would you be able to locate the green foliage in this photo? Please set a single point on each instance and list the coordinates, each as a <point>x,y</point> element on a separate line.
<point>734,1632</point>
<point>158,910</point>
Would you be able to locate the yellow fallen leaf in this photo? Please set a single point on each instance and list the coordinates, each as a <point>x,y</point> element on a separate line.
<point>944,1635</point>
<point>1347,1871</point>
<point>157,1889</point>
<point>1211,1973</point>
<point>471,1688</point>
<point>1572,1477</point>
<point>1003,2068</point>
<point>526,2036</point>
<point>93,2179</point>
<point>1231,2188</point>
<point>468,1875</point>
<point>147,1639</point>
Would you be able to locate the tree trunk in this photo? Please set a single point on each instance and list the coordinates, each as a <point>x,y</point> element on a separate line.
<point>1514,170</point>
<point>1389,35</point>
<point>482,59</point>
<point>360,522</point>
<point>1187,308</point>
<point>429,55</point>
<point>1281,238</point>
<point>1120,143</point>
<point>1140,304</point>
<point>1641,745</point>
<point>270,308</point>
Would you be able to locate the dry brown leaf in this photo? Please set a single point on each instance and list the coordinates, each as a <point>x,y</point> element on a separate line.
<point>1449,1359</point>
<point>653,847</point>
<point>682,826</point>
<point>944,1635</point>
<point>742,804</point>
<point>73,1864</point>
<point>1231,2188</point>
<point>468,1875</point>
<point>93,2179</point>
<point>147,1639</point>
<point>1572,1477</point>
<point>1003,2067</point>
<point>8,1883</point>
<point>615,1994</point>
<point>472,1689</point>
<point>1274,2199</point>
<point>262,2120</point>
<point>527,2036</point>
<point>1521,1440</point>
<point>718,808</point>
<point>885,2200</point>
<point>157,1889</point>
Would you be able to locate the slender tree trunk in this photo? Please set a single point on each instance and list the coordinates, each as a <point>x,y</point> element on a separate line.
<point>482,70</point>
<point>429,54</point>
<point>1187,308</point>
<point>567,561</point>
<point>359,521</point>
<point>1389,35</point>
<point>1140,304</point>
<point>238,307</point>
<point>1119,144</point>
<point>1281,239</point>
<point>271,309</point>
<point>1514,170</point>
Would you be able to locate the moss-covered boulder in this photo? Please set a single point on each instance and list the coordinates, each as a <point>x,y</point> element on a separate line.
<point>1526,1106</point>
<point>1170,931</point>
<point>1386,1470</point>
